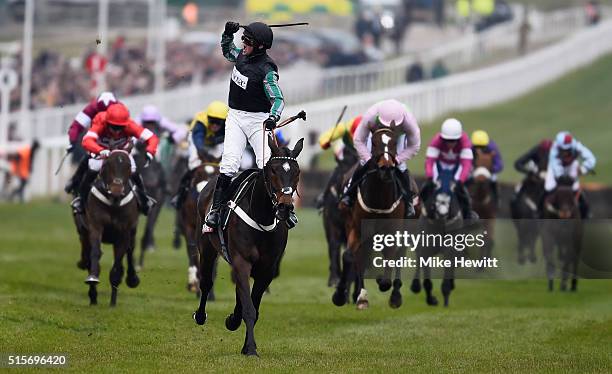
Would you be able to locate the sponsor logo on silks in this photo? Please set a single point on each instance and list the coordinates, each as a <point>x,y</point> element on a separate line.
<point>240,79</point>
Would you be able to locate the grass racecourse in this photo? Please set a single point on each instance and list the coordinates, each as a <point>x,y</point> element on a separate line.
<point>491,326</point>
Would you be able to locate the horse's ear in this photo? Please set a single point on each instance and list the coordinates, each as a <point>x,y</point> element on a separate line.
<point>272,145</point>
<point>298,148</point>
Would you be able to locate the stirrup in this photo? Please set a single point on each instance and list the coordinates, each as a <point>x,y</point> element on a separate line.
<point>212,218</point>
<point>76,204</point>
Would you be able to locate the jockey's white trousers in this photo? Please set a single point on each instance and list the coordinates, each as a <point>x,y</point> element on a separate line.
<point>194,157</point>
<point>572,171</point>
<point>242,127</point>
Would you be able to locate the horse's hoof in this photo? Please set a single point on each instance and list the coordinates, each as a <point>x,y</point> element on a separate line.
<point>150,248</point>
<point>251,352</point>
<point>431,301</point>
<point>133,281</point>
<point>138,268</point>
<point>339,298</point>
<point>415,286</point>
<point>395,301</point>
<point>384,285</point>
<point>232,323</point>
<point>199,318</point>
<point>92,280</point>
<point>363,304</point>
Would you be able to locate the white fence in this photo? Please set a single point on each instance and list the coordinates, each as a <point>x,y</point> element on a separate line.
<point>432,99</point>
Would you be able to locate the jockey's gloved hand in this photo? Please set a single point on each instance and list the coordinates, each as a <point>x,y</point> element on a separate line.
<point>270,123</point>
<point>70,148</point>
<point>149,159</point>
<point>231,27</point>
<point>583,170</point>
<point>104,153</point>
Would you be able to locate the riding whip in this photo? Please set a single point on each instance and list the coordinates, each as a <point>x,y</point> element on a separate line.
<point>62,162</point>
<point>300,115</point>
<point>338,122</point>
<point>285,24</point>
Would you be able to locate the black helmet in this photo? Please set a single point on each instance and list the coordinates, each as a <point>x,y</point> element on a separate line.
<point>260,33</point>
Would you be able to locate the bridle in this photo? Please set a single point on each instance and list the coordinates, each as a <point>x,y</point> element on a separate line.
<point>285,190</point>
<point>386,151</point>
<point>103,182</point>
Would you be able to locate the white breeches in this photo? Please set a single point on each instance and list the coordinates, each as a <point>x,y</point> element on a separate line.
<point>241,127</point>
<point>572,170</point>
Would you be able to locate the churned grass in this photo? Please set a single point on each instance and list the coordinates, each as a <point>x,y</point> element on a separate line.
<point>508,326</point>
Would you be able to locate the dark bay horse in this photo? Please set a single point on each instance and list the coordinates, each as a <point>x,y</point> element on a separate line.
<point>483,196</point>
<point>111,216</point>
<point>378,197</point>
<point>440,214</point>
<point>562,230</point>
<point>187,220</point>
<point>525,215</point>
<point>333,222</point>
<point>256,236</point>
<point>153,177</point>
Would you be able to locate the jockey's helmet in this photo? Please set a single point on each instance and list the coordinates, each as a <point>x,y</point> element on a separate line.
<point>150,113</point>
<point>452,129</point>
<point>118,115</point>
<point>391,111</point>
<point>259,34</point>
<point>217,109</point>
<point>480,138</point>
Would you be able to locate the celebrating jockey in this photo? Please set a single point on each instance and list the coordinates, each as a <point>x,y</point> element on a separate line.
<point>254,99</point>
<point>207,136</point>
<point>114,128</point>
<point>387,113</point>
<point>151,118</point>
<point>82,122</point>
<point>481,142</point>
<point>569,157</point>
<point>450,149</point>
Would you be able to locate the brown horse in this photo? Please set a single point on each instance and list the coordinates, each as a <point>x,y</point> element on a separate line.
<point>483,196</point>
<point>562,230</point>
<point>379,197</point>
<point>111,216</point>
<point>187,219</point>
<point>255,235</point>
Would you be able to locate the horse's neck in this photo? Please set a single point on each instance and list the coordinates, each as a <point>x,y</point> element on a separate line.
<point>378,191</point>
<point>259,204</point>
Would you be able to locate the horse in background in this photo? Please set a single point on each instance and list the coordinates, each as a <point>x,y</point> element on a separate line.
<point>111,216</point>
<point>440,214</point>
<point>562,230</point>
<point>483,196</point>
<point>379,197</point>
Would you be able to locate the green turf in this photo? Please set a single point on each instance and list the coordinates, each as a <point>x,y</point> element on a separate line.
<point>580,102</point>
<point>490,325</point>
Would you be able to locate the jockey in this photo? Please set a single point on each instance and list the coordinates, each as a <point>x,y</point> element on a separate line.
<point>535,162</point>
<point>386,113</point>
<point>151,118</point>
<point>255,99</point>
<point>207,136</point>
<point>482,142</point>
<point>569,157</point>
<point>450,149</point>
<point>115,127</point>
<point>82,122</point>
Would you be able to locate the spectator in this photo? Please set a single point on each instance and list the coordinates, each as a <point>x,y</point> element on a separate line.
<point>439,70</point>
<point>415,72</point>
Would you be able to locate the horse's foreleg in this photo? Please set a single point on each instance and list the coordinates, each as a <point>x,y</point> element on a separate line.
<point>116,272</point>
<point>333,246</point>
<point>242,271</point>
<point>95,239</point>
<point>395,300</point>
<point>340,296</point>
<point>207,262</point>
<point>430,299</point>
<point>548,248</point>
<point>259,288</point>
<point>132,279</point>
<point>448,283</point>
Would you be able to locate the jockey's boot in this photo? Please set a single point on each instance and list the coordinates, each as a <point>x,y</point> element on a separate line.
<point>74,182</point>
<point>350,191</point>
<point>78,204</point>
<point>213,217</point>
<point>465,202</point>
<point>145,202</point>
<point>183,189</point>
<point>407,193</point>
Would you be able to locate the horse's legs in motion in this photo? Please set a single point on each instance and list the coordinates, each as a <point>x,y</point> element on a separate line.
<point>341,295</point>
<point>448,283</point>
<point>362,299</point>
<point>334,250</point>
<point>132,279</point>
<point>95,238</point>
<point>207,261</point>
<point>395,300</point>
<point>262,281</point>
<point>116,272</point>
<point>415,287</point>
<point>176,240</point>
<point>242,271</point>
<point>192,273</point>
<point>430,299</point>
<point>548,247</point>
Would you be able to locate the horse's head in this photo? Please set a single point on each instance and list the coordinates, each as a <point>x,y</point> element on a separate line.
<point>442,205</point>
<point>384,148</point>
<point>281,176</point>
<point>115,173</point>
<point>483,165</point>
<point>564,201</point>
